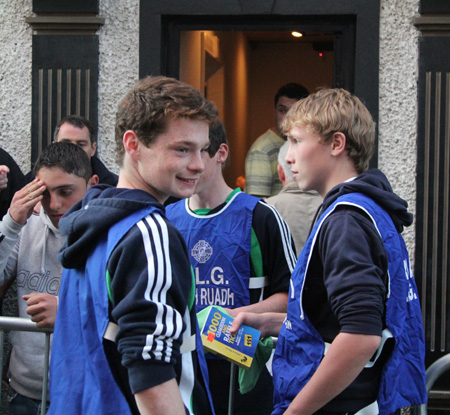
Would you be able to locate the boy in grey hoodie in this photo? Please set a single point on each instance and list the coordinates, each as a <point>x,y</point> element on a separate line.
<point>29,245</point>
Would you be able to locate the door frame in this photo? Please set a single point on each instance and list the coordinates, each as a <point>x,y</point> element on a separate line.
<point>356,23</point>
<point>343,29</point>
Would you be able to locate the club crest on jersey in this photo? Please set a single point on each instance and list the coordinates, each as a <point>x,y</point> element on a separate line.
<point>202,251</point>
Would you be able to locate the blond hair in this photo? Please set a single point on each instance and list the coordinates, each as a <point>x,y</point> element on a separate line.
<point>328,111</point>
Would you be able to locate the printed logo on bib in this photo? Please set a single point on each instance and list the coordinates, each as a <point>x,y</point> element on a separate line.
<point>202,251</point>
<point>218,295</point>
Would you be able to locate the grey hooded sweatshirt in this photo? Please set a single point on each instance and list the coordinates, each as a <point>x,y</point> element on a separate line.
<point>29,254</point>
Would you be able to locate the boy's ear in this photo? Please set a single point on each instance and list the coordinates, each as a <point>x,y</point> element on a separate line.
<point>131,143</point>
<point>338,143</point>
<point>281,174</point>
<point>93,181</point>
<point>222,153</point>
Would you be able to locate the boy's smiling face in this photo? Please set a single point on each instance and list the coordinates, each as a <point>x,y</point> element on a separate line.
<point>173,163</point>
<point>63,191</point>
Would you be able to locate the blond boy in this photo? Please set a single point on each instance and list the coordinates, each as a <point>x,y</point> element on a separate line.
<point>352,293</point>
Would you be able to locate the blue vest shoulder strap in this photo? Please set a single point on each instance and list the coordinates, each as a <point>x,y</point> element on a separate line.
<point>78,363</point>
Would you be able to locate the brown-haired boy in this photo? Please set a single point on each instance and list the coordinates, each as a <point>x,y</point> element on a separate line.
<point>125,334</point>
<point>352,293</point>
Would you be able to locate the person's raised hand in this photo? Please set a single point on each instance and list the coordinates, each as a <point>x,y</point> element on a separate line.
<point>25,200</point>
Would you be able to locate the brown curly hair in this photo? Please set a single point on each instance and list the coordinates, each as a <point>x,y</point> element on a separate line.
<point>152,101</point>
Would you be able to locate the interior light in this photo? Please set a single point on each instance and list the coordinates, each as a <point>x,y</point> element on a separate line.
<point>297,34</point>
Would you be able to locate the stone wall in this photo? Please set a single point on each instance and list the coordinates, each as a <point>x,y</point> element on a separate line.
<point>119,61</point>
<point>15,80</point>
<point>398,101</point>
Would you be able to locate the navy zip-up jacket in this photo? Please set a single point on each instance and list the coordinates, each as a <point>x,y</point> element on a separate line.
<point>150,286</point>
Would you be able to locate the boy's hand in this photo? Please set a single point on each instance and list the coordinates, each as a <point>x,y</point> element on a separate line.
<point>249,319</point>
<point>25,200</point>
<point>42,309</point>
<point>269,324</point>
<point>4,170</point>
<point>233,312</point>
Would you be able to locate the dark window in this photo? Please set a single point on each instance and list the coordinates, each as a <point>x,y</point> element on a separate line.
<point>64,83</point>
<point>65,6</point>
<point>434,6</point>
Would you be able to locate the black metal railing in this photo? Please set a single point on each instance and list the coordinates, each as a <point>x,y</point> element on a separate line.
<point>24,324</point>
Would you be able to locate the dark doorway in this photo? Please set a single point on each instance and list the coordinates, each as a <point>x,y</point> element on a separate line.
<point>241,71</point>
<point>159,28</point>
<point>350,32</point>
<point>339,31</point>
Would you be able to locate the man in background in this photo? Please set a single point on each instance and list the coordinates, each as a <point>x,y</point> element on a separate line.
<point>261,176</point>
<point>78,130</point>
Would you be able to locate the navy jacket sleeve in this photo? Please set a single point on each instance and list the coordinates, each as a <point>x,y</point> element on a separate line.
<point>150,283</point>
<point>354,270</point>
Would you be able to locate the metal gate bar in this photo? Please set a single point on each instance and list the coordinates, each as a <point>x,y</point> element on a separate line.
<point>23,324</point>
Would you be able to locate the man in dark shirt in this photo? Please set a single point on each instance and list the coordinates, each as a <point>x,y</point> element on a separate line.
<point>80,131</point>
<point>248,263</point>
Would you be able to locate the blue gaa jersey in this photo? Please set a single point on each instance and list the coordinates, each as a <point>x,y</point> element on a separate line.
<point>77,349</point>
<point>219,247</point>
<point>81,380</point>
<point>300,347</point>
